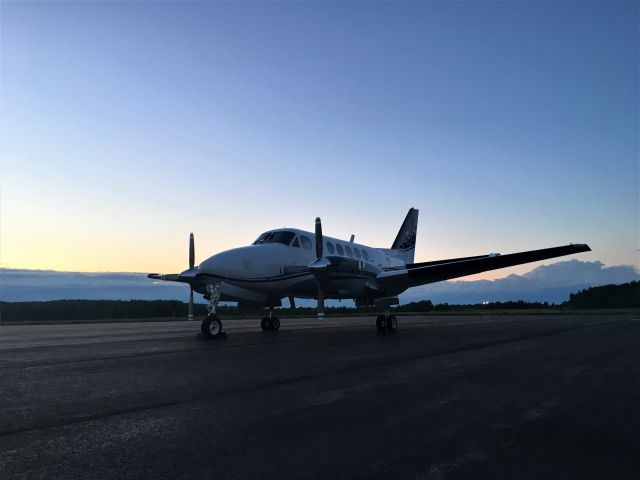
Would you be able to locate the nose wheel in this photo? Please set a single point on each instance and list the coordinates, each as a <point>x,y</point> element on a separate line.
<point>212,326</point>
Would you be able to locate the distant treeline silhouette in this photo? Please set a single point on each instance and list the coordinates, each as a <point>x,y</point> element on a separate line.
<point>626,295</point>
<point>95,309</point>
<point>609,296</point>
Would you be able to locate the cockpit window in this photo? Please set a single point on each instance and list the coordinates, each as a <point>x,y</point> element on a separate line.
<point>283,237</point>
<point>295,243</point>
<point>261,239</point>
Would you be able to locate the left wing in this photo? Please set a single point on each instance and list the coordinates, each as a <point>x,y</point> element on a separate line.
<point>168,277</point>
<point>430,272</point>
<point>188,276</point>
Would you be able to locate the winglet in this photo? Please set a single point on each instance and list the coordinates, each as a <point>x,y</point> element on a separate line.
<point>580,247</point>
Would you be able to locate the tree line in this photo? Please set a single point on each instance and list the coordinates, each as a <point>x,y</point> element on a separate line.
<point>608,296</point>
<point>626,295</point>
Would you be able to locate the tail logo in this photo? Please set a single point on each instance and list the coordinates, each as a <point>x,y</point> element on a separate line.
<point>406,238</point>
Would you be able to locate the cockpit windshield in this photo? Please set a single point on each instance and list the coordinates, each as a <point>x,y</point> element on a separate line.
<point>282,236</point>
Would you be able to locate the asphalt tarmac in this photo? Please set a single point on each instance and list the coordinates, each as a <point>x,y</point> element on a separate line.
<point>525,397</point>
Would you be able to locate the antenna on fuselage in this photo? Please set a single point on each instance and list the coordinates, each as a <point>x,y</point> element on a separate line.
<point>353,237</point>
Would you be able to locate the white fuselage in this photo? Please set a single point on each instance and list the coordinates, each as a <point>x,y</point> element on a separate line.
<point>276,266</point>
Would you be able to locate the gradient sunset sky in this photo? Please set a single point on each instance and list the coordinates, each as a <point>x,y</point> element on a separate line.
<point>127,125</point>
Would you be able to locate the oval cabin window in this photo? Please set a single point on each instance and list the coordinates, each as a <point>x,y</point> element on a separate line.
<point>305,242</point>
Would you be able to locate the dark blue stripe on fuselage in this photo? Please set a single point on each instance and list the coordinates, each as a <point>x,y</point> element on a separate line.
<point>280,278</point>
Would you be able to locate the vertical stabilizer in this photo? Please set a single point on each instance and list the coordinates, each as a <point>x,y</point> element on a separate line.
<point>404,246</point>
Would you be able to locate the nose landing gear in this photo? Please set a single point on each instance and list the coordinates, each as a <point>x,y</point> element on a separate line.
<point>212,324</point>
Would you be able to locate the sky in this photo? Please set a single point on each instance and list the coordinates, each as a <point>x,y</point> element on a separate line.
<point>126,125</point>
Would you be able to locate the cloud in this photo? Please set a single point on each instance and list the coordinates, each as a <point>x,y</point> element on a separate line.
<point>550,283</point>
<point>26,285</point>
<point>547,283</point>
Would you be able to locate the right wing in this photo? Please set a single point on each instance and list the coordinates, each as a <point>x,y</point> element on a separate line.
<point>429,272</point>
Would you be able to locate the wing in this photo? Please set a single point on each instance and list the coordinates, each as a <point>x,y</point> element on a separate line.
<point>430,272</point>
<point>169,277</point>
<point>188,276</point>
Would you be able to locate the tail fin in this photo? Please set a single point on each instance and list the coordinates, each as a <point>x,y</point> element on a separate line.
<point>404,246</point>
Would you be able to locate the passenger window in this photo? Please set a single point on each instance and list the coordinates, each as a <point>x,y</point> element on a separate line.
<point>330,247</point>
<point>365,255</point>
<point>348,249</point>
<point>339,249</point>
<point>305,242</point>
<point>295,243</point>
<point>356,252</point>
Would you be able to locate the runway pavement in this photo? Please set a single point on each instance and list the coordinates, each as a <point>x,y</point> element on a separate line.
<point>445,397</point>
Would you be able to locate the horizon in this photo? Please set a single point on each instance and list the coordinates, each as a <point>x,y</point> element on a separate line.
<point>551,283</point>
<point>542,263</point>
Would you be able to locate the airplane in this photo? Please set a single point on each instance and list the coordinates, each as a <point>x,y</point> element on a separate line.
<point>292,263</point>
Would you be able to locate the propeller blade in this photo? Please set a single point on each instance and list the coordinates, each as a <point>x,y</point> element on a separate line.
<point>192,252</point>
<point>319,242</point>
<point>319,264</point>
<point>190,316</point>
<point>320,304</point>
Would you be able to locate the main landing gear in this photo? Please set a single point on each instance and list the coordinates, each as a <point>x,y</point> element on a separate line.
<point>386,322</point>
<point>270,323</point>
<point>212,325</point>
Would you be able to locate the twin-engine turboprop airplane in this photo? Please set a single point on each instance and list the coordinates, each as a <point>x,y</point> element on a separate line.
<point>292,263</point>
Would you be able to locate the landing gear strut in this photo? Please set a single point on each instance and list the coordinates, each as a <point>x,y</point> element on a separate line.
<point>386,322</point>
<point>271,322</point>
<point>212,325</point>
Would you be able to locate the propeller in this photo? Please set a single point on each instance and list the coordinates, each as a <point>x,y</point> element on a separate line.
<point>319,252</point>
<point>192,259</point>
<point>322,267</point>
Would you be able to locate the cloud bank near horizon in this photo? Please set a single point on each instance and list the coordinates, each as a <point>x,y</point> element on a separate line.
<point>548,283</point>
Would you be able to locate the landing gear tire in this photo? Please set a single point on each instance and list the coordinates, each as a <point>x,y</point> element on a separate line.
<point>381,323</point>
<point>211,327</point>
<point>270,323</point>
<point>392,323</point>
<point>275,324</point>
<point>264,323</point>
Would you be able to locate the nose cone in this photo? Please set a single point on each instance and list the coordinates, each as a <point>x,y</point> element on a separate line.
<point>255,261</point>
